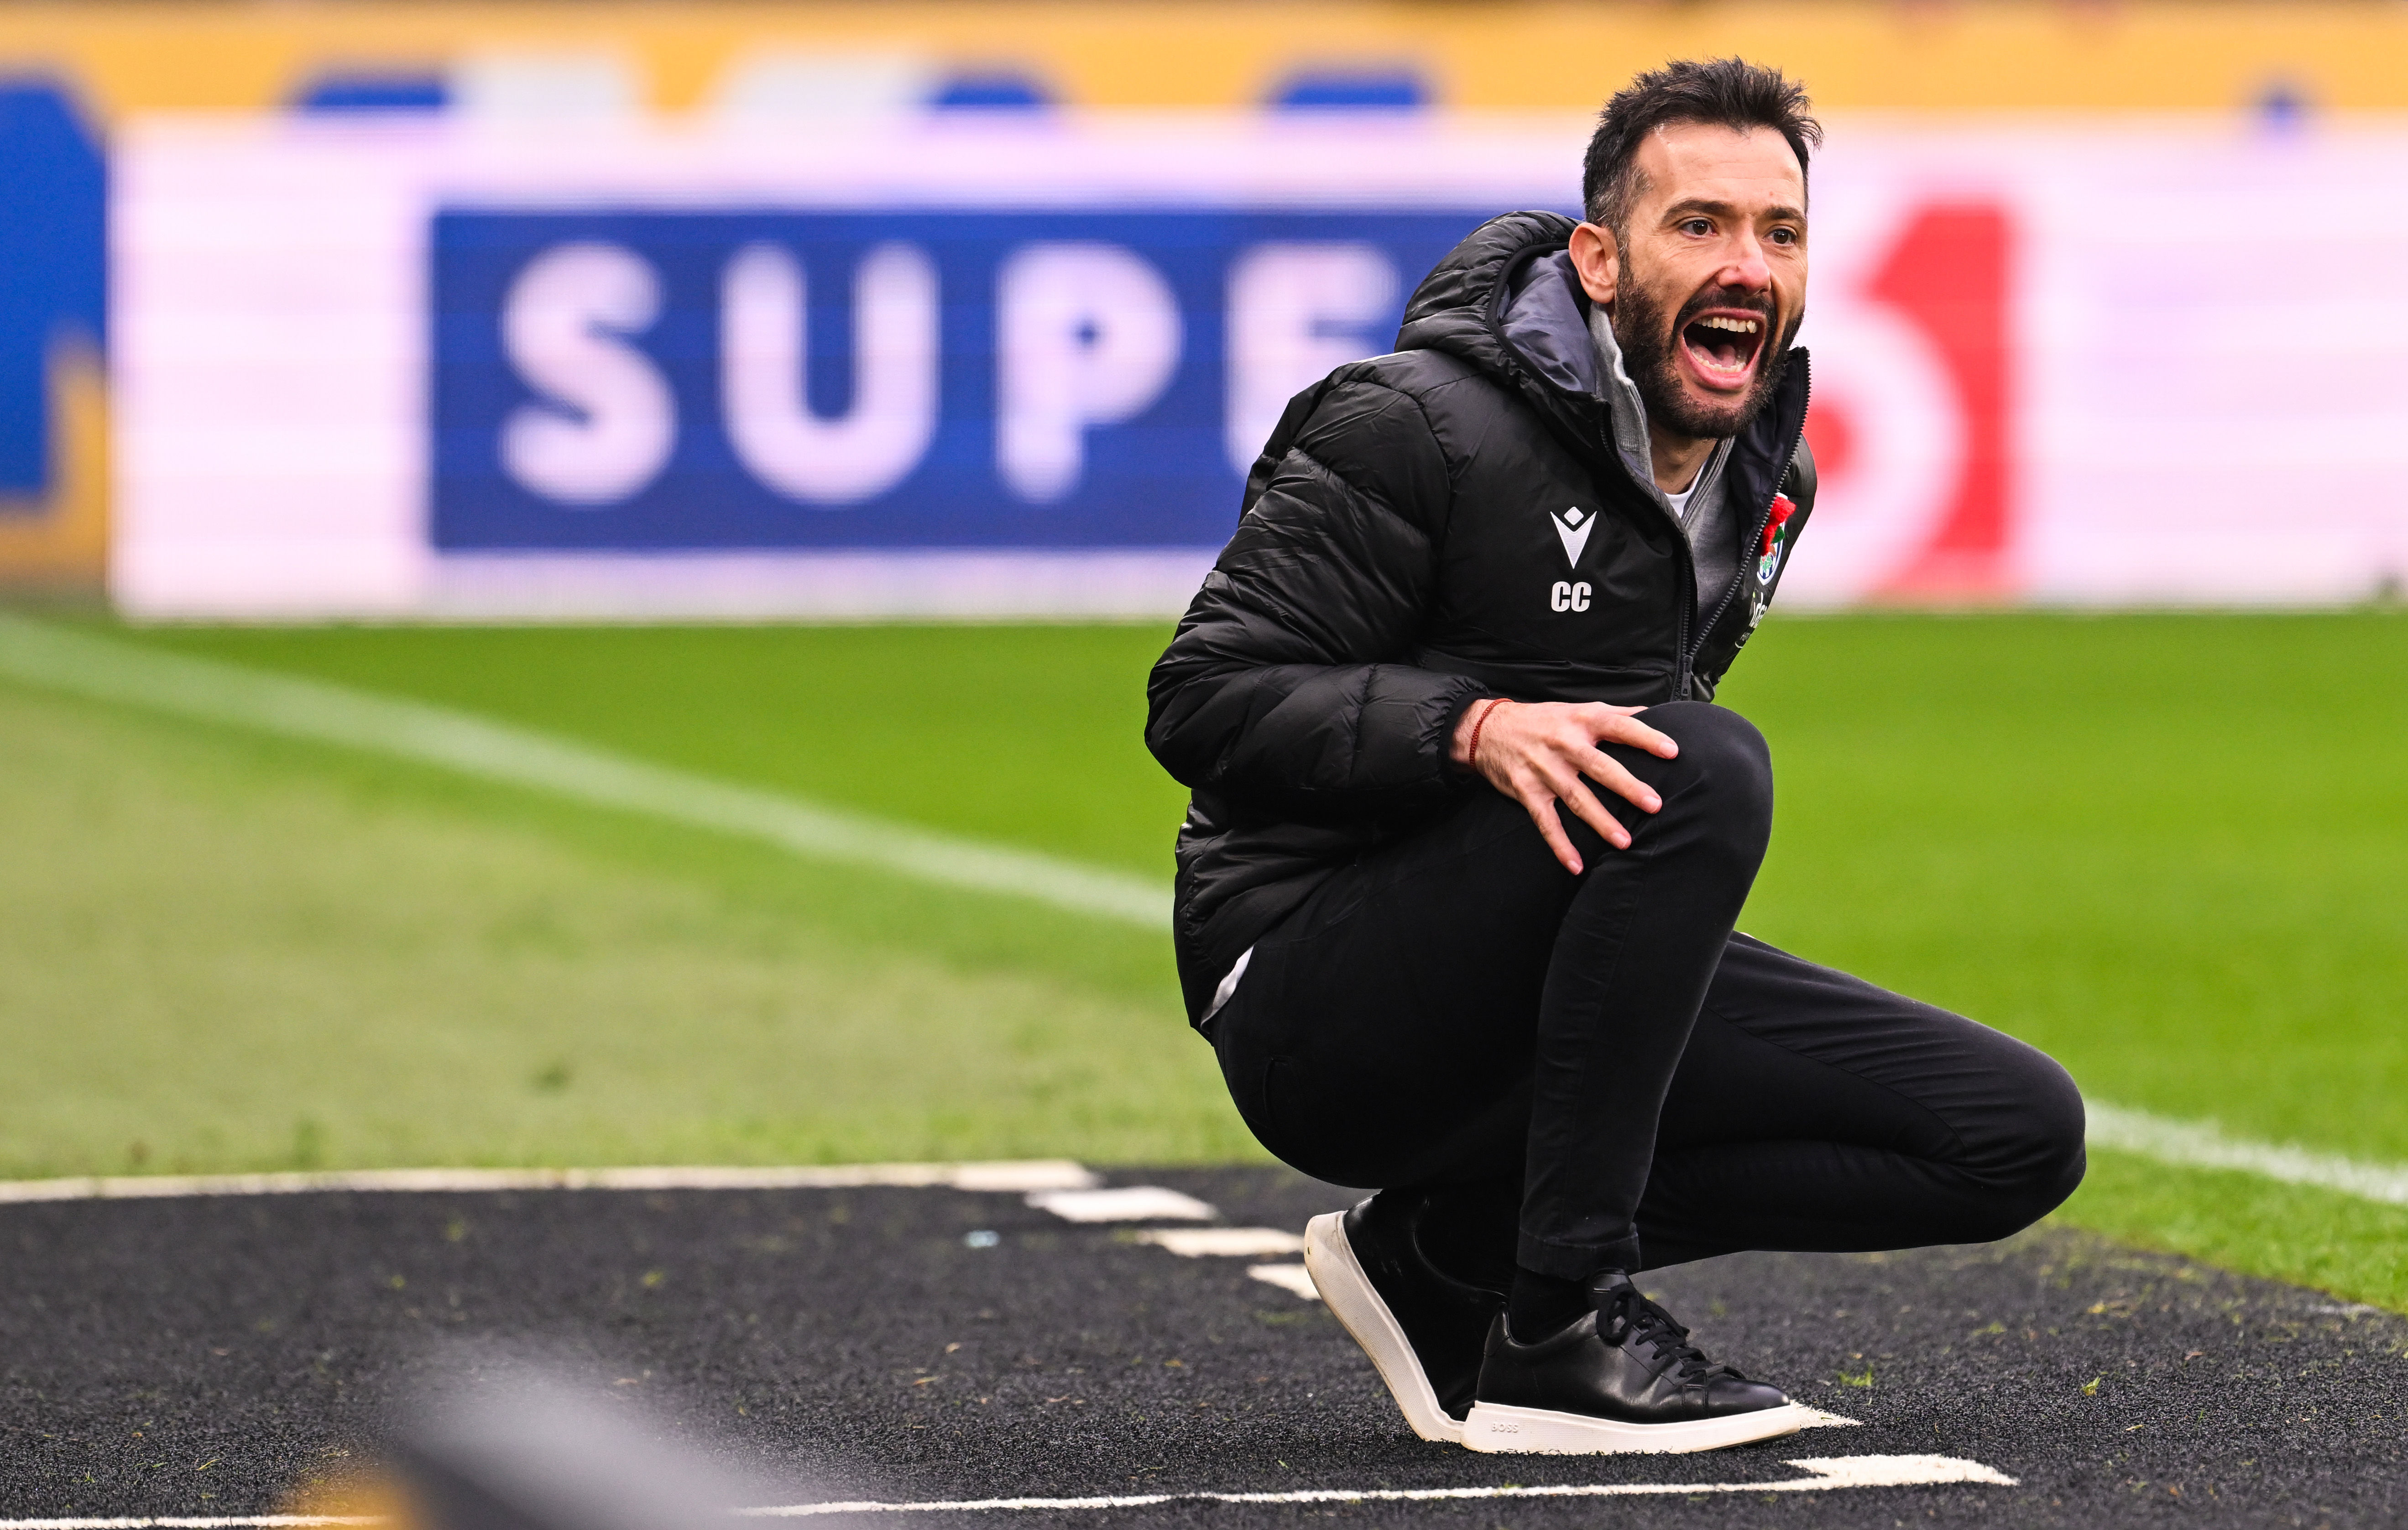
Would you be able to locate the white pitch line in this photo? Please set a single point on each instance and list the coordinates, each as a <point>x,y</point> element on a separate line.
<point>2203,1145</point>
<point>2180,1143</point>
<point>1007,1177</point>
<point>232,694</point>
<point>2184,1144</point>
<point>1829,1472</point>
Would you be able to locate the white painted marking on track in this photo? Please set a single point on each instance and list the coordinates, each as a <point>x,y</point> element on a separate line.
<point>1123,1203</point>
<point>1900,1471</point>
<point>2203,1145</point>
<point>1223,1242</point>
<point>1828,1473</point>
<point>1817,1419</point>
<point>37,653</point>
<point>1031,1175</point>
<point>1294,1278</point>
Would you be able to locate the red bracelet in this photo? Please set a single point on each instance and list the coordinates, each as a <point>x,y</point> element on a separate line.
<point>1472,753</point>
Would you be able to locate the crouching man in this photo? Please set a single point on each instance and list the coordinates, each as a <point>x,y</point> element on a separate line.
<point>1457,893</point>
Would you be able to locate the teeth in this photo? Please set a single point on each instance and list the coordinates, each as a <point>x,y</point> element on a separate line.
<point>1737,326</point>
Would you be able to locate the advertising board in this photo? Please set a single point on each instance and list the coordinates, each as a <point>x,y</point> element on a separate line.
<point>1061,378</point>
<point>1019,366</point>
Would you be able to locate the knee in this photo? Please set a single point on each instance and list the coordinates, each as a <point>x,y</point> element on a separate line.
<point>2058,1129</point>
<point>2039,1158</point>
<point>1723,760</point>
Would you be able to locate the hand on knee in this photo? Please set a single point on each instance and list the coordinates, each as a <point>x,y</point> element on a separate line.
<point>1722,777</point>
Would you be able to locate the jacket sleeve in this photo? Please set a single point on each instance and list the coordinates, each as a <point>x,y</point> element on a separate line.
<point>1282,689</point>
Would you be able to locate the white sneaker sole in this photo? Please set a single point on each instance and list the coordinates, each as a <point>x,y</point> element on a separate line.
<point>1497,1429</point>
<point>1350,1297</point>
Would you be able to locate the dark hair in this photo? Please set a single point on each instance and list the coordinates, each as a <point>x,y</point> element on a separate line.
<point>1725,92</point>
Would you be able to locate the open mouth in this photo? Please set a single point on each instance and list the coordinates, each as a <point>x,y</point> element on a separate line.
<point>1722,346</point>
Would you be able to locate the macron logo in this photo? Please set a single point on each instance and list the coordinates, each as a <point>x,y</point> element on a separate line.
<point>1572,528</point>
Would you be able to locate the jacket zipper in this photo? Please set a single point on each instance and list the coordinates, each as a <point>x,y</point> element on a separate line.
<point>1684,658</point>
<point>1687,612</point>
<point>1682,617</point>
<point>1754,539</point>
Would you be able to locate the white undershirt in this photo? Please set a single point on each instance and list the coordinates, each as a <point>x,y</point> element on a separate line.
<point>1681,501</point>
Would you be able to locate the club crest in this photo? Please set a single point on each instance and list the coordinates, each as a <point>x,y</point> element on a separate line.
<point>1776,539</point>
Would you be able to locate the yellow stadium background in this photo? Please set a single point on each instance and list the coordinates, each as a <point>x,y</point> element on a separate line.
<point>1927,56</point>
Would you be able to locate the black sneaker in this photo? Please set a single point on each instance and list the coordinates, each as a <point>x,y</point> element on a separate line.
<point>1423,1330</point>
<point>1622,1376</point>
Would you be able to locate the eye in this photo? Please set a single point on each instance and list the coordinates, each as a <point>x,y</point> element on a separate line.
<point>1699,226</point>
<point>1783,236</point>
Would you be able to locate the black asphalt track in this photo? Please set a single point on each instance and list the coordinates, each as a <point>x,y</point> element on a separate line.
<point>212,1356</point>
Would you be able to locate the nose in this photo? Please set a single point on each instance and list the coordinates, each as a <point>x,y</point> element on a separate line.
<point>1747,269</point>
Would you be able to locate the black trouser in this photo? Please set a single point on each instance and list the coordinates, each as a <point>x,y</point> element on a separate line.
<point>1456,1011</point>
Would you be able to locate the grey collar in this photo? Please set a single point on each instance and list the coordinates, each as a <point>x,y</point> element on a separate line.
<point>1628,413</point>
<point>1569,341</point>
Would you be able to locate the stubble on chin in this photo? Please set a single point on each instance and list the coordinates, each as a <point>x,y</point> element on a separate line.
<point>1643,327</point>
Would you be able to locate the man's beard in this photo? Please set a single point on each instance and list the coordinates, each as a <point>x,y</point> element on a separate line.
<point>1648,346</point>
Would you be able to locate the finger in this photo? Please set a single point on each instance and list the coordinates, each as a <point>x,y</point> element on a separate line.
<point>1638,735</point>
<point>1542,809</point>
<point>1591,710</point>
<point>1573,793</point>
<point>1615,777</point>
<point>1591,811</point>
<point>1551,829</point>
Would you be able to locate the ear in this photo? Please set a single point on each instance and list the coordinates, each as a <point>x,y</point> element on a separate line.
<point>1598,260</point>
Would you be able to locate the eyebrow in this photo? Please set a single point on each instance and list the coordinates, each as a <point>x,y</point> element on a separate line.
<point>1699,204</point>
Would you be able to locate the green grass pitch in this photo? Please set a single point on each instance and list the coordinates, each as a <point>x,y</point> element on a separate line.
<point>2170,849</point>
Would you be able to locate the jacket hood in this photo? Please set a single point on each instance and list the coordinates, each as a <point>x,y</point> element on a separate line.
<point>1532,325</point>
<point>1460,306</point>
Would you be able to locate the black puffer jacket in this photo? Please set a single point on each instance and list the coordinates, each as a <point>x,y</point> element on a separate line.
<point>1401,557</point>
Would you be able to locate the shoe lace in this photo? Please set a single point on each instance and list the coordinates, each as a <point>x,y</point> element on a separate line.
<point>1627,1312</point>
